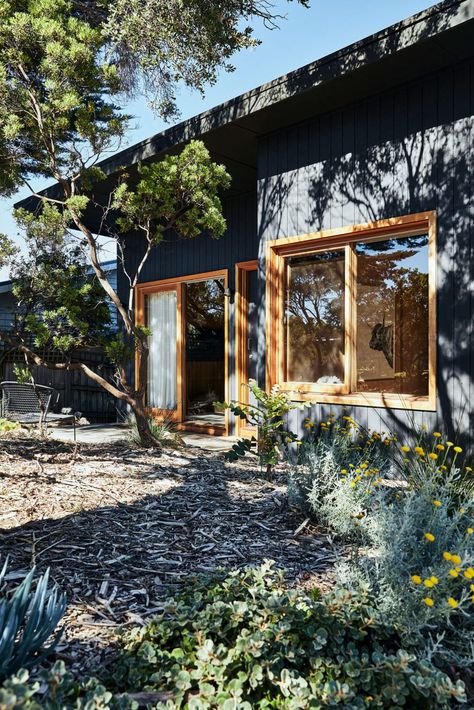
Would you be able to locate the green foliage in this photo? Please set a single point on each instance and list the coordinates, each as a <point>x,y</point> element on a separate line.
<point>179,192</point>
<point>60,304</point>
<point>268,418</point>
<point>27,620</point>
<point>8,250</point>
<point>118,350</point>
<point>54,84</point>
<point>22,374</point>
<point>340,468</point>
<point>7,426</point>
<point>158,45</point>
<point>58,690</point>
<point>429,453</point>
<point>243,640</point>
<point>163,431</point>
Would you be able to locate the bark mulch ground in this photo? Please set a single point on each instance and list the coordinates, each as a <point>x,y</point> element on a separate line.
<point>121,528</point>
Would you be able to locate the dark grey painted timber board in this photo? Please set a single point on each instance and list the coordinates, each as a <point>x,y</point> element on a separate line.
<point>401,152</point>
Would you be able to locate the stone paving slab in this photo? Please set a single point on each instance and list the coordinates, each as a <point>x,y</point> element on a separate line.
<point>108,433</point>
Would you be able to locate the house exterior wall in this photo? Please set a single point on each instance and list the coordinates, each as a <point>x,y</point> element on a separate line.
<point>399,153</point>
<point>176,257</point>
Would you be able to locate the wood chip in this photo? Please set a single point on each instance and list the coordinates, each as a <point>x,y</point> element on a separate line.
<point>122,529</point>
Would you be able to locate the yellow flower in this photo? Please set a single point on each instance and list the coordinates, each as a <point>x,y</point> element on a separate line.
<point>416,579</point>
<point>449,443</point>
<point>419,450</point>
<point>440,447</point>
<point>434,579</point>
<point>472,587</point>
<point>469,573</point>
<point>430,537</point>
<point>469,469</point>
<point>452,602</point>
<point>405,449</point>
<point>443,468</point>
<point>457,449</point>
<point>308,425</point>
<point>428,601</point>
<point>470,531</point>
<point>433,456</point>
<point>455,559</point>
<point>437,503</point>
<point>454,572</point>
<point>447,556</point>
<point>428,583</point>
<point>364,465</point>
<point>436,434</point>
<point>462,510</point>
<point>344,471</point>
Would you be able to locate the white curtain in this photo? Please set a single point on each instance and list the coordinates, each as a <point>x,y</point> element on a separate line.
<point>162,320</point>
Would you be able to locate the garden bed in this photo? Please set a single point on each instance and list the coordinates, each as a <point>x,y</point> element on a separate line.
<point>122,528</point>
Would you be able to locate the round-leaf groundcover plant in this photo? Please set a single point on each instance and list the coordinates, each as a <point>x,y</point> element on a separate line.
<point>243,640</point>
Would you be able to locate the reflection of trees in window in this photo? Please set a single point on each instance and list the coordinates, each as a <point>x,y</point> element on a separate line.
<point>315,318</point>
<point>392,315</point>
<point>205,318</point>
<point>391,301</point>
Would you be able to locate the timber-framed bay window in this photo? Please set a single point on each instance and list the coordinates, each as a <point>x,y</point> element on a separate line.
<point>351,314</point>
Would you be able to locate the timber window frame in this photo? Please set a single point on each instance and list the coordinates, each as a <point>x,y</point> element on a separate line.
<point>345,240</point>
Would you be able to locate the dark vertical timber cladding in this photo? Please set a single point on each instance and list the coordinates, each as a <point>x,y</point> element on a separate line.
<point>462,221</point>
<point>471,252</point>
<point>183,257</point>
<point>404,151</point>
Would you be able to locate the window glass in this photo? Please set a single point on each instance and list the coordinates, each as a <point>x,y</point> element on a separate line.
<point>162,321</point>
<point>205,349</point>
<point>314,322</point>
<point>392,316</point>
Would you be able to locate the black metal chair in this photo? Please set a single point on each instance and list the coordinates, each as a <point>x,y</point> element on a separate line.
<point>31,404</point>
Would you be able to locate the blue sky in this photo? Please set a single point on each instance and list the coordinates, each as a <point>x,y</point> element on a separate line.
<point>305,35</point>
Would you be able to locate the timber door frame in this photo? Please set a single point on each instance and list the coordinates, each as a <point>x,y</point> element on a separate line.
<point>178,283</point>
<point>242,270</point>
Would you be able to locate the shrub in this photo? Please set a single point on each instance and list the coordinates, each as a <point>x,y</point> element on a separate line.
<point>6,426</point>
<point>58,690</point>
<point>429,454</point>
<point>421,570</point>
<point>27,620</point>
<point>243,640</point>
<point>268,418</point>
<point>163,431</point>
<point>340,467</point>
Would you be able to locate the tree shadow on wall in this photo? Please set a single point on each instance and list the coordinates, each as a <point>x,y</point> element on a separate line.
<point>429,169</point>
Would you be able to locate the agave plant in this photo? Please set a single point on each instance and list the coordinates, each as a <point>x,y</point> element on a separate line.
<point>27,619</point>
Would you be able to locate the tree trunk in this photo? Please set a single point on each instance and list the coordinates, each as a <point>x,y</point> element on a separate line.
<point>147,440</point>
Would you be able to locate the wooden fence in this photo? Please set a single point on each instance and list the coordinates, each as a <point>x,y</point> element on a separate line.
<point>75,389</point>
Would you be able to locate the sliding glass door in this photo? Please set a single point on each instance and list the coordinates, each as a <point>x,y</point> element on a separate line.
<point>187,370</point>
<point>163,382</point>
<point>205,351</point>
